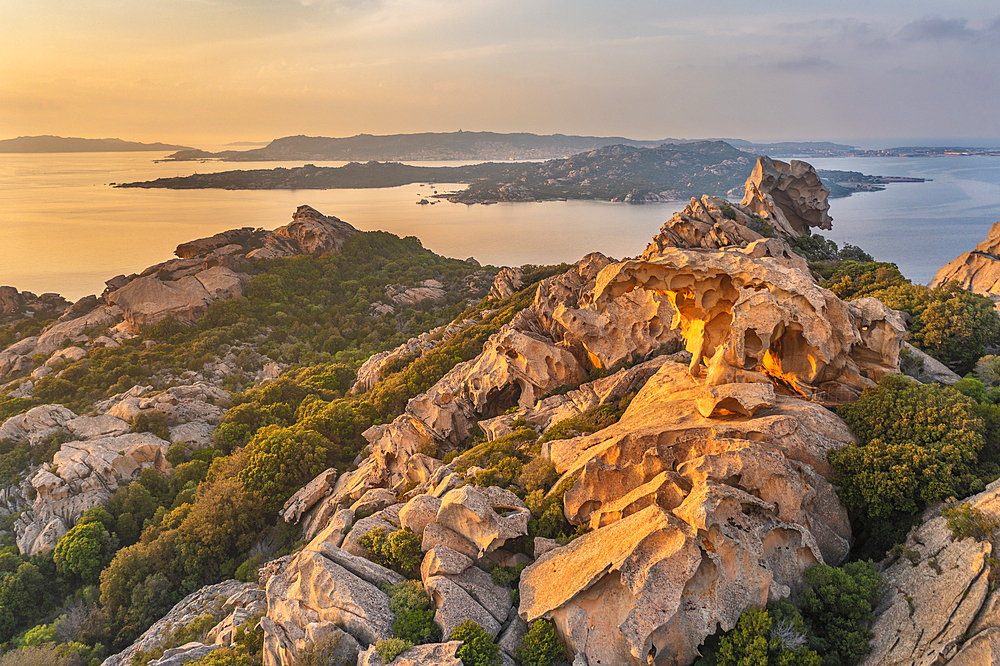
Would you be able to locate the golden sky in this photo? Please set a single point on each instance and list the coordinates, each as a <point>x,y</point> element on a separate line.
<point>206,72</point>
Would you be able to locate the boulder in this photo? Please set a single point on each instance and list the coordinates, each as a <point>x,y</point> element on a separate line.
<point>183,654</point>
<point>432,654</point>
<point>419,512</point>
<point>436,535</point>
<point>313,588</point>
<point>454,606</point>
<point>36,424</point>
<point>308,495</point>
<point>790,196</point>
<point>750,318</point>
<point>506,283</point>
<point>443,561</point>
<point>487,517</point>
<point>924,367</point>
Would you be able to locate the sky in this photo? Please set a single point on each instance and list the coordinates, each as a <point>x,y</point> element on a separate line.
<point>208,72</point>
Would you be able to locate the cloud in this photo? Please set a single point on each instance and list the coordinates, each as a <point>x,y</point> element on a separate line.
<point>808,64</point>
<point>933,28</point>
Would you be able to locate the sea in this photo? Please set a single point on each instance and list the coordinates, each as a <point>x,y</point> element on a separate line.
<point>65,229</point>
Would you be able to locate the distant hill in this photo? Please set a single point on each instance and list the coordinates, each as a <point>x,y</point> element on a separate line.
<point>616,173</point>
<point>621,173</point>
<point>422,146</point>
<point>60,144</point>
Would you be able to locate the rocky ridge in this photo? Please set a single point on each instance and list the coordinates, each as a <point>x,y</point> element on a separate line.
<point>978,270</point>
<point>205,271</point>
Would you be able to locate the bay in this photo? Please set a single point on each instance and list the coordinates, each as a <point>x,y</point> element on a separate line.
<point>64,229</point>
<point>918,226</point>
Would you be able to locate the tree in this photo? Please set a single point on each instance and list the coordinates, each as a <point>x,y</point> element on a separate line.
<point>917,444</point>
<point>950,323</point>
<point>84,551</point>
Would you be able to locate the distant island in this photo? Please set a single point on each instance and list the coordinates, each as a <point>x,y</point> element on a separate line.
<point>61,144</point>
<point>669,172</point>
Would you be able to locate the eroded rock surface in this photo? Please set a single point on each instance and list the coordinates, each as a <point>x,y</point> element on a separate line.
<point>695,518</point>
<point>978,270</point>
<point>789,195</point>
<point>231,602</point>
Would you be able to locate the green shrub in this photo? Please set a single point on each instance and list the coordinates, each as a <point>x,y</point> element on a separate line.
<point>390,648</point>
<point>966,521</point>
<point>154,421</point>
<point>478,648</point>
<point>917,444</point>
<point>754,642</point>
<point>854,279</point>
<point>414,613</point>
<point>399,550</point>
<point>84,551</point>
<point>541,646</point>
<point>837,606</point>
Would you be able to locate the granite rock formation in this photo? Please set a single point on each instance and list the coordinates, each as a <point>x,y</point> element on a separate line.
<point>790,196</point>
<point>978,270</point>
<point>939,605</point>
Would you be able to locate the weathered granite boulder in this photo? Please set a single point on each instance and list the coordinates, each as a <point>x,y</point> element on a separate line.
<point>939,606</point>
<point>790,196</point>
<point>231,602</point>
<point>431,654</point>
<point>978,270</point>
<point>750,318</point>
<point>695,519</point>
<point>309,232</point>
<point>308,496</point>
<point>924,367</point>
<point>506,283</point>
<point>314,591</point>
<point>428,290</point>
<point>487,517</point>
<point>148,300</point>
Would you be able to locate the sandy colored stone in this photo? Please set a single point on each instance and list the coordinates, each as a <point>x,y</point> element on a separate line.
<point>742,399</point>
<point>454,606</point>
<point>506,283</point>
<point>487,517</point>
<point>308,495</point>
<point>441,561</point>
<point>789,195</point>
<point>419,512</point>
<point>436,535</point>
<point>747,318</point>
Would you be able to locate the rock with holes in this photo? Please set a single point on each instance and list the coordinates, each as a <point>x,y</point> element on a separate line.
<point>749,319</point>
<point>790,196</point>
<point>695,518</point>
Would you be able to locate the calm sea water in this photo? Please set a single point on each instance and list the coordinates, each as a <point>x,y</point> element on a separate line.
<point>63,229</point>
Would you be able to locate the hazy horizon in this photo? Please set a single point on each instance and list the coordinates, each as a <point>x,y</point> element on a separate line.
<point>211,72</point>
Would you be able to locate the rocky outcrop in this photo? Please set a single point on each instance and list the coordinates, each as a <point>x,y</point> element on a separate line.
<point>924,367</point>
<point>506,283</point>
<point>309,232</point>
<point>695,518</point>
<point>371,371</point>
<point>791,197</point>
<point>231,602</point>
<point>749,319</point>
<point>323,593</point>
<point>100,453</point>
<point>148,300</point>
<point>939,605</point>
<point>709,222</point>
<point>18,305</point>
<point>428,290</point>
<point>978,270</point>
<point>206,270</point>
